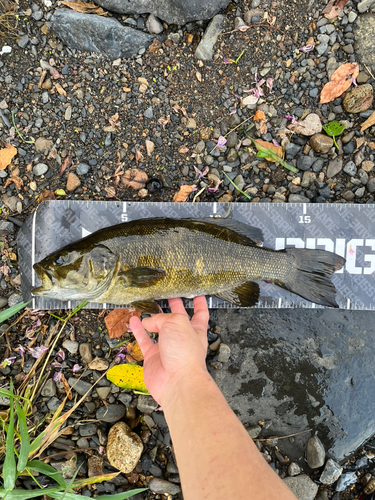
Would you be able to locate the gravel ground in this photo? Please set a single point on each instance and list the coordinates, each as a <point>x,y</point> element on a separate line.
<point>162,112</point>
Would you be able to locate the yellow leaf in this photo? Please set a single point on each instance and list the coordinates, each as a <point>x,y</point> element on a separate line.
<point>6,156</point>
<point>127,377</point>
<point>60,192</point>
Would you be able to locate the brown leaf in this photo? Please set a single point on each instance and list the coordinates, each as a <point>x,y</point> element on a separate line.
<point>85,8</point>
<point>134,178</point>
<point>334,8</point>
<point>135,351</point>
<point>6,156</point>
<point>183,193</point>
<point>341,80</point>
<point>155,46</point>
<point>67,390</point>
<point>259,116</point>
<point>183,150</point>
<point>138,156</point>
<point>277,149</point>
<point>369,122</point>
<point>46,195</point>
<point>117,321</point>
<point>111,192</point>
<point>164,121</point>
<point>65,164</point>
<point>17,181</point>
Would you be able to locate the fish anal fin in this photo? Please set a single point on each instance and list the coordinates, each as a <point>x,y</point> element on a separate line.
<point>245,295</point>
<point>141,277</point>
<point>147,306</point>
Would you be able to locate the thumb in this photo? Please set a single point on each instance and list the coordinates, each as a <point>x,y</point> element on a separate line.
<point>140,335</point>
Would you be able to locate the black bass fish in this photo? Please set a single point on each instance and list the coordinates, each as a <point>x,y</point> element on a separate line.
<point>141,261</point>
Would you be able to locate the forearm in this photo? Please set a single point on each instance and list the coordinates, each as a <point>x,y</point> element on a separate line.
<point>216,457</point>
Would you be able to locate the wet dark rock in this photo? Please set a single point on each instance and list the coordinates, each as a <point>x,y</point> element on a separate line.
<point>146,404</point>
<point>98,34</point>
<point>80,386</point>
<point>304,162</point>
<point>111,413</point>
<point>332,471</point>
<point>170,11</point>
<point>86,430</point>
<point>346,480</point>
<point>49,389</point>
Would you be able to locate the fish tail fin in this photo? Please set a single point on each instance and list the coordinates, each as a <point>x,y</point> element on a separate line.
<point>310,275</point>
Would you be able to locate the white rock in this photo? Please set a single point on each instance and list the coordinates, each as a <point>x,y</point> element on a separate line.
<point>124,448</point>
<point>153,25</point>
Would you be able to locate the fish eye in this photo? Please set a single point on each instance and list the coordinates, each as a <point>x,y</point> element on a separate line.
<point>59,261</point>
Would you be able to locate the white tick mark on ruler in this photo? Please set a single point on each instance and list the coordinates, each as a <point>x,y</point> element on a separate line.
<point>210,303</point>
<point>304,209</point>
<point>348,304</point>
<point>279,304</point>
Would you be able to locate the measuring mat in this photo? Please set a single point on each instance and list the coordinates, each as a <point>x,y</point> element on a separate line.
<point>348,230</point>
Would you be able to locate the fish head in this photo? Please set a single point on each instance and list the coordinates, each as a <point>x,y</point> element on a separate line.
<point>74,273</point>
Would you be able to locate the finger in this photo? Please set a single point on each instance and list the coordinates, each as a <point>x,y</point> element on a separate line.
<point>177,306</point>
<point>201,315</point>
<point>140,335</point>
<point>154,323</point>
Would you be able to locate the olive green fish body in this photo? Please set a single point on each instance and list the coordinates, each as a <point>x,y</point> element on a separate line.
<point>146,260</point>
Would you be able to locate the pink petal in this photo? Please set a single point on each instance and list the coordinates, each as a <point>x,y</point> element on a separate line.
<point>37,352</point>
<point>221,141</point>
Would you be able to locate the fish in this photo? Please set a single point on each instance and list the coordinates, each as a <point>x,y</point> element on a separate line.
<point>142,261</point>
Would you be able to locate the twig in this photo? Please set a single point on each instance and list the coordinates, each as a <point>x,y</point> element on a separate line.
<point>284,437</point>
<point>369,71</point>
<point>16,129</point>
<point>199,192</point>
<point>230,180</point>
<point>247,119</point>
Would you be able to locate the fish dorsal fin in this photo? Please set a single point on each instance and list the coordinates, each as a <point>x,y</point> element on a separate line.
<point>245,295</point>
<point>253,235</point>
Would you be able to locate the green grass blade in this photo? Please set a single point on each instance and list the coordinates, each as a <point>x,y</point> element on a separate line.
<point>25,440</point>
<point>27,494</point>
<point>47,470</point>
<point>9,467</point>
<point>12,310</point>
<point>60,495</point>
<point>233,184</point>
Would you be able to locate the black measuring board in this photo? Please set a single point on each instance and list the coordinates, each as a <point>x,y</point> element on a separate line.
<point>348,230</point>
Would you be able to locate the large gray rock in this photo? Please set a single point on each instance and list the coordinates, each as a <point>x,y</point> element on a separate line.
<point>170,11</point>
<point>288,367</point>
<point>91,33</point>
<point>364,31</point>
<point>302,487</point>
<point>206,45</point>
<point>315,453</point>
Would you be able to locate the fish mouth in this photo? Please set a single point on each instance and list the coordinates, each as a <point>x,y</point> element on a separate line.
<point>46,278</point>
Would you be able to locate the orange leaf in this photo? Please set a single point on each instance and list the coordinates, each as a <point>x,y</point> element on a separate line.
<point>183,193</point>
<point>65,164</point>
<point>6,156</point>
<point>18,182</point>
<point>135,351</point>
<point>45,195</point>
<point>277,149</point>
<point>370,121</point>
<point>66,387</point>
<point>341,80</point>
<point>117,321</point>
<point>259,116</point>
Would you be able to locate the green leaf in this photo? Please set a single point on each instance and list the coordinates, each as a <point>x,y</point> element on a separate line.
<point>47,470</point>
<point>4,315</point>
<point>334,128</point>
<point>9,468</point>
<point>119,496</point>
<point>268,153</point>
<point>25,440</point>
<point>26,494</point>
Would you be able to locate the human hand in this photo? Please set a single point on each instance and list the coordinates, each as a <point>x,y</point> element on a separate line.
<point>181,350</point>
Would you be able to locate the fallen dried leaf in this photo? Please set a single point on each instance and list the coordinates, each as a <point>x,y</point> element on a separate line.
<point>149,147</point>
<point>46,195</point>
<point>111,192</point>
<point>369,122</point>
<point>183,193</point>
<point>85,8</point>
<point>183,150</point>
<point>155,46</point>
<point>117,321</point>
<point>334,8</point>
<point>65,164</point>
<point>138,156</point>
<point>17,181</point>
<point>259,116</point>
<point>134,351</point>
<point>67,389</point>
<point>164,121</point>
<point>134,178</point>
<point>6,156</point>
<point>341,80</point>
<point>276,149</point>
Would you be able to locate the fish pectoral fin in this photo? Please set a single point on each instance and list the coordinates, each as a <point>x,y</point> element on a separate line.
<point>245,295</point>
<point>148,306</point>
<point>141,277</point>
